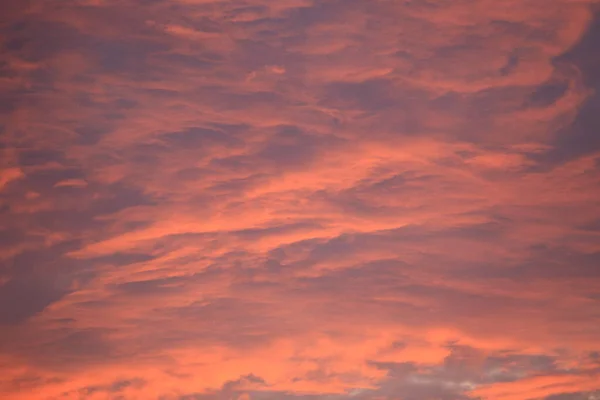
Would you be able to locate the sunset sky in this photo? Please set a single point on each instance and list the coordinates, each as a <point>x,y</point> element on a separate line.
<point>300,199</point>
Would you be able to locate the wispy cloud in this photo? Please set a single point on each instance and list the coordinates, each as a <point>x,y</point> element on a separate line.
<point>248,199</point>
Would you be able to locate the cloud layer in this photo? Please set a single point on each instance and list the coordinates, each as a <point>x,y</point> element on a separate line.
<point>336,199</point>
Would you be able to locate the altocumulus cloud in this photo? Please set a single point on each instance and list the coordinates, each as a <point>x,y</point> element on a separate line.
<point>248,199</point>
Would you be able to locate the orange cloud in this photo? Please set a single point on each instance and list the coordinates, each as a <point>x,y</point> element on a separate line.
<point>303,199</point>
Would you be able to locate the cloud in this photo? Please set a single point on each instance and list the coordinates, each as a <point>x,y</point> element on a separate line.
<point>540,387</point>
<point>299,200</point>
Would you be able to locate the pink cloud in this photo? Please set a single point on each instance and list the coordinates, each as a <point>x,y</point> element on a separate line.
<point>303,199</point>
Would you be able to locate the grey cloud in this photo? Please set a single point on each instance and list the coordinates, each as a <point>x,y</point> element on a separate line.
<point>114,388</point>
<point>200,139</point>
<point>581,137</point>
<point>575,396</point>
<point>36,279</point>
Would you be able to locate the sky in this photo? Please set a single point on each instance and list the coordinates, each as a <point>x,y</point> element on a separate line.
<point>300,199</point>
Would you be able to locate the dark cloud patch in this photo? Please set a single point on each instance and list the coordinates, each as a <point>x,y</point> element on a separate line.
<point>198,138</point>
<point>254,55</point>
<point>80,206</point>
<point>351,243</point>
<point>114,388</point>
<point>110,109</point>
<point>371,95</point>
<point>547,94</point>
<point>511,367</point>
<point>512,62</point>
<point>385,275</point>
<point>121,259</point>
<point>320,13</point>
<point>36,39</point>
<point>492,230</point>
<point>132,57</point>
<point>401,182</point>
<point>33,157</point>
<point>28,381</point>
<point>11,11</point>
<point>575,396</point>
<point>291,147</point>
<point>152,287</point>
<point>235,164</point>
<point>240,101</point>
<point>253,326</point>
<point>90,134</point>
<point>156,93</point>
<point>9,100</point>
<point>582,136</point>
<point>201,62</point>
<point>250,378</point>
<point>36,280</point>
<point>23,297</point>
<point>146,154</point>
<point>10,238</point>
<point>463,369</point>
<point>235,186</point>
<point>558,263</point>
<point>257,233</point>
<point>593,226</point>
<point>74,349</point>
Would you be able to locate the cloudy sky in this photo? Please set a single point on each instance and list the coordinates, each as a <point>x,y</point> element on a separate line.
<point>300,199</point>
